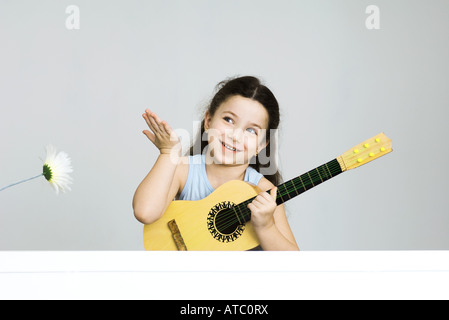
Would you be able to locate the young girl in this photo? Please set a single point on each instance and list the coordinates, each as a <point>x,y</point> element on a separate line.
<point>234,133</point>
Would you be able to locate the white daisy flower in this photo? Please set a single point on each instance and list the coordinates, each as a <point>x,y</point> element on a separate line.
<point>56,169</point>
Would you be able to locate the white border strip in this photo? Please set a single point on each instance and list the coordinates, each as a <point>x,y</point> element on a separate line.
<point>134,261</point>
<point>225,275</point>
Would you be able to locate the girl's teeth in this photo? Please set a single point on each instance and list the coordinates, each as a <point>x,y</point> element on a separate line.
<point>228,147</point>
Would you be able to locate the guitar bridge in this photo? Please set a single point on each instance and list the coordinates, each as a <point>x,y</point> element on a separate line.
<point>179,241</point>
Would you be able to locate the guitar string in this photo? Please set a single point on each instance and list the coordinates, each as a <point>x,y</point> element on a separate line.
<point>231,217</point>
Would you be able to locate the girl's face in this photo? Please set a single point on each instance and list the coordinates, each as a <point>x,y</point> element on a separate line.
<point>237,131</point>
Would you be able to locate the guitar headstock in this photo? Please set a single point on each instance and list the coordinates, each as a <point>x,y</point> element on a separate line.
<point>365,152</point>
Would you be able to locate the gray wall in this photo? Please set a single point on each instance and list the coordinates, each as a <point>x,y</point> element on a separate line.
<point>338,84</point>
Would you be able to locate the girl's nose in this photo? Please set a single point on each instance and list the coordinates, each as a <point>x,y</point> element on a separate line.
<point>235,135</point>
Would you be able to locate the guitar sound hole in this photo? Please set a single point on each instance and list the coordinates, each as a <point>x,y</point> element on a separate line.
<point>225,223</point>
<point>222,223</point>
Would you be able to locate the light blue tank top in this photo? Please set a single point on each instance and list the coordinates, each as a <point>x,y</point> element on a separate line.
<point>198,187</point>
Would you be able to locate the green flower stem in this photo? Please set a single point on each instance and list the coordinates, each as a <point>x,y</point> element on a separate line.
<point>21,182</point>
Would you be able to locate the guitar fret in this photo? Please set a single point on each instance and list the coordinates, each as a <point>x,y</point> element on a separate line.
<point>286,189</point>
<point>305,189</point>
<point>315,177</point>
<point>324,176</point>
<point>294,186</point>
<point>310,179</point>
<point>328,170</point>
<point>337,168</point>
<point>319,174</point>
<point>282,195</point>
<point>281,190</point>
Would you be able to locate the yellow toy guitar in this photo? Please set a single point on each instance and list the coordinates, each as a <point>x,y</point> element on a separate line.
<point>221,221</point>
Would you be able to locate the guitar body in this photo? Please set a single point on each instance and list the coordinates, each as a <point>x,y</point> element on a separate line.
<point>198,225</point>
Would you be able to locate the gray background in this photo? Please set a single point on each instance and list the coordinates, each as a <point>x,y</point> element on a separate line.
<point>337,83</point>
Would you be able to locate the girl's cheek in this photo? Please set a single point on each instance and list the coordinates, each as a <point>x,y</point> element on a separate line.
<point>261,142</point>
<point>213,134</point>
<point>252,142</point>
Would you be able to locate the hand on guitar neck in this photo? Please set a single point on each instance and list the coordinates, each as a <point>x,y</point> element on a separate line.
<point>262,210</point>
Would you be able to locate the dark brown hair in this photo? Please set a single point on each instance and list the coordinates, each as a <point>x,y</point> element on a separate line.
<point>252,88</point>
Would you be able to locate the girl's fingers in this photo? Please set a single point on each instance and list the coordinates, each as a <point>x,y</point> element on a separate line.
<point>161,126</point>
<point>156,118</point>
<point>257,204</point>
<point>273,193</point>
<point>169,130</point>
<point>158,126</point>
<point>147,120</point>
<point>154,125</point>
<point>265,198</point>
<point>149,135</point>
<point>166,127</point>
<point>268,197</point>
<point>157,122</point>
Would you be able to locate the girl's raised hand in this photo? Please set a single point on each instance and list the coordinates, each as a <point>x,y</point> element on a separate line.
<point>161,134</point>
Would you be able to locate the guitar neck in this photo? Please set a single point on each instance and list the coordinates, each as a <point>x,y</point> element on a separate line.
<point>357,156</point>
<point>307,181</point>
<point>296,186</point>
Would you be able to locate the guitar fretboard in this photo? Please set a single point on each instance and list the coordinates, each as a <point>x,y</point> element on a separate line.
<point>293,187</point>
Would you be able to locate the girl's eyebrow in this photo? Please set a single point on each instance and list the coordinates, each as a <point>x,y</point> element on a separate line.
<point>252,123</point>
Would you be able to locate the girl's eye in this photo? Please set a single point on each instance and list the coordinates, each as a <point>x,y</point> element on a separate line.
<point>227,119</point>
<point>253,131</point>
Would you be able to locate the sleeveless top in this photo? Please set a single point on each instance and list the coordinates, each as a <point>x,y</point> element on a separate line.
<point>198,187</point>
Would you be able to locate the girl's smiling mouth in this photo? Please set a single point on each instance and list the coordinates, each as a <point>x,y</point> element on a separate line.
<point>228,147</point>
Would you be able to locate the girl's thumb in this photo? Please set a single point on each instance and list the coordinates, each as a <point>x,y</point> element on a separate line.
<point>273,192</point>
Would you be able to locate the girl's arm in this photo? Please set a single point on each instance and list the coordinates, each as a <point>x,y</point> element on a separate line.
<point>161,185</point>
<point>270,222</point>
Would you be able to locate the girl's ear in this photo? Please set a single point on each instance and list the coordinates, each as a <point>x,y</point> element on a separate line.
<point>207,119</point>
